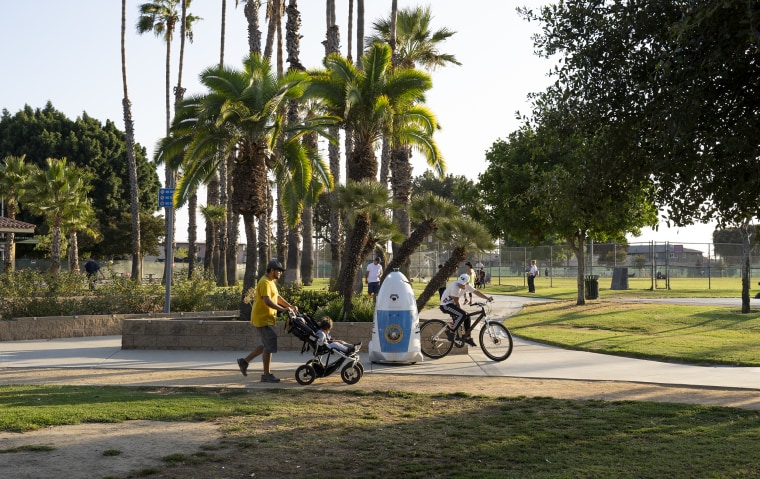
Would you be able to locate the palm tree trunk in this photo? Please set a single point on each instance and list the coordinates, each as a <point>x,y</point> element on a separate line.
<point>221,254</point>
<point>307,254</point>
<point>359,32</point>
<point>192,233</point>
<point>441,277</point>
<point>73,252</point>
<point>134,199</point>
<point>55,247</point>
<point>249,280</point>
<point>251,11</point>
<point>332,45</point>
<point>292,270</point>
<point>212,198</point>
<point>352,261</point>
<point>349,46</point>
<point>401,185</point>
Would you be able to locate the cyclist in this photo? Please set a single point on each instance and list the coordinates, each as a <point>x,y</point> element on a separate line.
<point>450,304</point>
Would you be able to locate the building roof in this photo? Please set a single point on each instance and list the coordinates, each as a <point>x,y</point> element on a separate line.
<point>8,225</point>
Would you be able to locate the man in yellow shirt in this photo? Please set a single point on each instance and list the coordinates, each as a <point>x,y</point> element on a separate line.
<point>267,303</point>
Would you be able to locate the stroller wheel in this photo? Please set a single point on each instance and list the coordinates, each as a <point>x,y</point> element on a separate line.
<point>305,374</point>
<point>352,373</point>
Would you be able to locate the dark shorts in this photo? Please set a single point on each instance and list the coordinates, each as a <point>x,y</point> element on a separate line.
<point>373,288</point>
<point>268,335</point>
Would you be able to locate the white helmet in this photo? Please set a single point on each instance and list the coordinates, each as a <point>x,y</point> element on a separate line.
<point>463,279</point>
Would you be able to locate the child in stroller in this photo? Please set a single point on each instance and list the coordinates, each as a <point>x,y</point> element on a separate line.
<point>317,337</point>
<point>324,338</point>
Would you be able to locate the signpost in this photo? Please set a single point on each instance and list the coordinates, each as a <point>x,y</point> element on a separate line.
<point>166,200</point>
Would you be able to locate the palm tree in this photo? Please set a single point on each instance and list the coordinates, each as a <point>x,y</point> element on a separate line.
<point>161,17</point>
<point>214,215</point>
<point>332,46</point>
<point>129,130</point>
<point>373,102</point>
<point>53,192</point>
<point>14,175</point>
<point>413,43</point>
<point>465,235</point>
<point>241,112</point>
<point>77,218</point>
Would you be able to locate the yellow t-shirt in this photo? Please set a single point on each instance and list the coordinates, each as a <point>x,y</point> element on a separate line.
<point>261,314</point>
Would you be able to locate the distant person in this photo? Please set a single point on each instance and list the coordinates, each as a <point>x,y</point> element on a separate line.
<point>471,274</point>
<point>266,304</point>
<point>92,268</point>
<point>372,277</point>
<point>532,271</point>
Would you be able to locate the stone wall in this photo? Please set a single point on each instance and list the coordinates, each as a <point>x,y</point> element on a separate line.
<point>53,327</point>
<point>205,334</point>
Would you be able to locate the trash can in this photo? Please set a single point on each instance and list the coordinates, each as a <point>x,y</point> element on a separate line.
<point>592,286</point>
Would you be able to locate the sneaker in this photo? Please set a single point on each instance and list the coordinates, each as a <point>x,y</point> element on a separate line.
<point>358,345</point>
<point>269,378</point>
<point>470,341</point>
<point>243,365</point>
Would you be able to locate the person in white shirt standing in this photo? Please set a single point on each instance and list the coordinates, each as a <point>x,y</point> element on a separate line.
<point>532,271</point>
<point>372,277</point>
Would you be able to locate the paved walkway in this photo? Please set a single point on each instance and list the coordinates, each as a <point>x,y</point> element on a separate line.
<point>529,360</point>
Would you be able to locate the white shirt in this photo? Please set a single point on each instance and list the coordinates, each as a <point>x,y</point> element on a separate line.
<point>374,272</point>
<point>454,291</point>
<point>533,270</point>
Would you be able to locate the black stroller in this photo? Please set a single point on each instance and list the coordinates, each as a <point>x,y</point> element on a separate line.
<point>305,328</point>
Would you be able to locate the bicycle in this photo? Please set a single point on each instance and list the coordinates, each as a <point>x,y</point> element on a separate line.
<point>438,338</point>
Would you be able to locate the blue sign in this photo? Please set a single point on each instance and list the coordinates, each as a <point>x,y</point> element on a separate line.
<point>165,197</point>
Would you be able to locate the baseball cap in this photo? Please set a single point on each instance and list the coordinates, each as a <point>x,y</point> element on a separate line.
<point>463,279</point>
<point>468,264</point>
<point>274,264</point>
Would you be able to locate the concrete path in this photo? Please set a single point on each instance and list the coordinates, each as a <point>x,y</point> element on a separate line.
<point>528,360</point>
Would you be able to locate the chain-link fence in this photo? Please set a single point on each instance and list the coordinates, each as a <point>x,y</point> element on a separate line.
<point>656,265</point>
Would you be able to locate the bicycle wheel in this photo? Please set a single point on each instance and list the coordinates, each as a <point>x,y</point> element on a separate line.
<point>496,341</point>
<point>435,339</point>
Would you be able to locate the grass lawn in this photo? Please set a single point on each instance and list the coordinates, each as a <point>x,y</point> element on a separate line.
<point>308,433</point>
<point>692,334</point>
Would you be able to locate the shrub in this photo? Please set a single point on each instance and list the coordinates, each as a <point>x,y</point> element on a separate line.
<point>308,301</point>
<point>364,310</point>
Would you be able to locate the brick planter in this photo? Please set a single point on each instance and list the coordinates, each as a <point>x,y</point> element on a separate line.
<point>213,335</point>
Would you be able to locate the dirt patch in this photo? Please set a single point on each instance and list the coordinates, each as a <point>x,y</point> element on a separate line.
<point>80,450</point>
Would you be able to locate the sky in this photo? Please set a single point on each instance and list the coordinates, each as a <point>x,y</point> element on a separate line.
<point>68,53</point>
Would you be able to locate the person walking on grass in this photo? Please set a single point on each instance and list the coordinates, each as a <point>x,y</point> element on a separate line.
<point>266,304</point>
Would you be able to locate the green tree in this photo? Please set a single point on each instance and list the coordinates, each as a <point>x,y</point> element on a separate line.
<point>630,67</point>
<point>54,192</point>
<point>539,185</point>
<point>97,148</point>
<point>14,176</point>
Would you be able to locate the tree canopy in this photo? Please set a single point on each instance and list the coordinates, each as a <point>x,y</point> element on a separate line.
<point>96,148</point>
